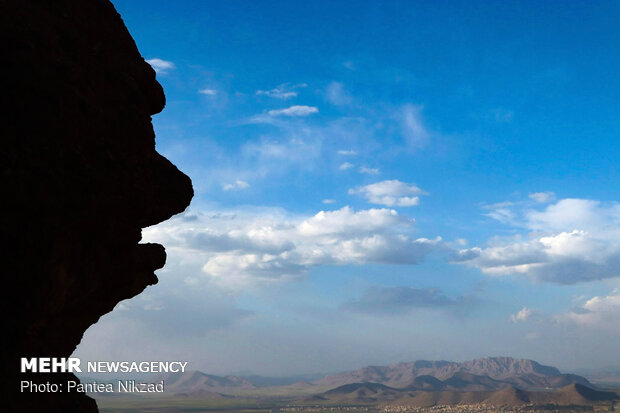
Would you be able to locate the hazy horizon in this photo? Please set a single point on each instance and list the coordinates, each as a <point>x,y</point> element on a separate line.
<point>319,374</point>
<point>379,182</point>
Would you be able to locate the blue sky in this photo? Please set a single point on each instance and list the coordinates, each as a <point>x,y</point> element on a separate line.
<point>380,182</point>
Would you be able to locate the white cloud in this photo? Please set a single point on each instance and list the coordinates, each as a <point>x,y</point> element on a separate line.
<point>236,270</point>
<point>347,152</point>
<point>569,214</point>
<point>369,171</point>
<point>329,201</point>
<point>235,186</point>
<point>570,241</point>
<point>337,95</point>
<point>245,249</point>
<point>390,193</point>
<point>345,221</point>
<point>295,110</point>
<point>346,165</point>
<point>542,197</point>
<point>283,91</point>
<point>277,93</point>
<point>414,132</point>
<point>503,215</point>
<point>523,315</point>
<point>599,312</point>
<point>208,92</point>
<point>501,211</point>
<point>161,66</point>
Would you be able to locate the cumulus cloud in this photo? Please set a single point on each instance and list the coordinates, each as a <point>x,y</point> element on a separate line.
<point>414,132</point>
<point>245,249</point>
<point>235,186</point>
<point>395,300</point>
<point>599,312</point>
<point>337,95</point>
<point>345,165</point>
<point>346,222</point>
<point>295,110</point>
<point>329,201</point>
<point>390,193</point>
<point>284,91</point>
<point>523,315</point>
<point>239,270</point>
<point>161,66</point>
<point>567,242</point>
<point>542,197</point>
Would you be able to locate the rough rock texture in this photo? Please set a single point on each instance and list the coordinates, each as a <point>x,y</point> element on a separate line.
<point>80,178</point>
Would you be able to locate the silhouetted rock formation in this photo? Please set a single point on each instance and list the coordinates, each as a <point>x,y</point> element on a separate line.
<point>80,178</point>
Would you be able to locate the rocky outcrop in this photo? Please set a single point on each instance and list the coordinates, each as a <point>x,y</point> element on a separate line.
<point>80,178</point>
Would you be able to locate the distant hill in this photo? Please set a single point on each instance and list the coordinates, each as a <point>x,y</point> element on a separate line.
<point>197,383</point>
<point>361,393</point>
<point>573,394</point>
<point>579,394</point>
<point>486,374</point>
<point>427,383</point>
<point>509,396</point>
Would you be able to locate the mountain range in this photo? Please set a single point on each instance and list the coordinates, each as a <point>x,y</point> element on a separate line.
<point>479,375</point>
<point>494,381</point>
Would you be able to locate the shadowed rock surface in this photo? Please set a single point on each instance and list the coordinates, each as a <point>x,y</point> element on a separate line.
<point>80,178</point>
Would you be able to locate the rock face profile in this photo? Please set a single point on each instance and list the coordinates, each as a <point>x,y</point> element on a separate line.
<point>80,178</point>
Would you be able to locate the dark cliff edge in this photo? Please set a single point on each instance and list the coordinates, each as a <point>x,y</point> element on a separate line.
<point>80,178</point>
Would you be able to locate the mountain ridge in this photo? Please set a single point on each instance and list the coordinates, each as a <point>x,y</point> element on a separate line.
<point>488,374</point>
<point>511,371</point>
